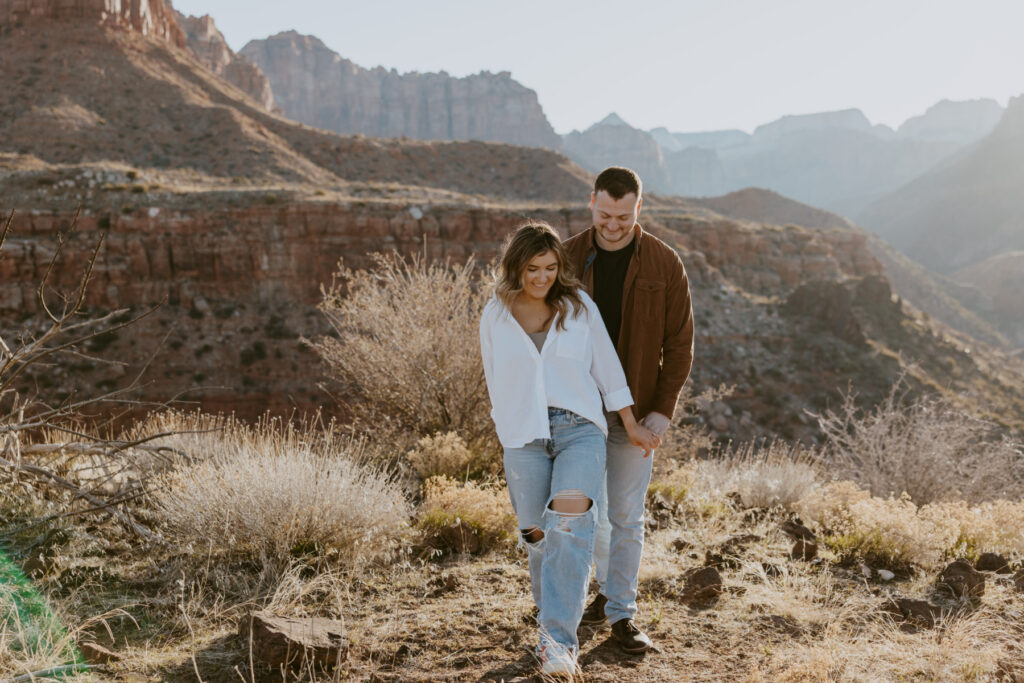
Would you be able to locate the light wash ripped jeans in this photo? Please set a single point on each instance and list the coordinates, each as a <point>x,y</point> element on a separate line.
<point>571,463</point>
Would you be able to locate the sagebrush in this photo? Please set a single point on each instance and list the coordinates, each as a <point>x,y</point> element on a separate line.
<point>407,347</point>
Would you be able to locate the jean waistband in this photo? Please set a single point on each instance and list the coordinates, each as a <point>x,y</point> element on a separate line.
<point>559,411</point>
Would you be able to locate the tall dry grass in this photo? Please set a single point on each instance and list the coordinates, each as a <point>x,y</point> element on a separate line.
<point>274,491</point>
<point>927,448</point>
<point>764,476</point>
<point>407,348</point>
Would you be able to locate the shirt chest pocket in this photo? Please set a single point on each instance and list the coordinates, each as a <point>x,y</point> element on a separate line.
<point>572,343</point>
<point>649,299</point>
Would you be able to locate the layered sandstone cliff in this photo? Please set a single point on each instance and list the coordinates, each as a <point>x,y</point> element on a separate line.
<point>208,45</point>
<point>316,86</point>
<point>148,17</point>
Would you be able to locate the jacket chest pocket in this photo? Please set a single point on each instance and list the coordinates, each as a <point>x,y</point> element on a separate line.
<point>572,343</point>
<point>649,299</point>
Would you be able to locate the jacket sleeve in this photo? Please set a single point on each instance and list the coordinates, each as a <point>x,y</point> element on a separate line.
<point>677,344</point>
<point>605,367</point>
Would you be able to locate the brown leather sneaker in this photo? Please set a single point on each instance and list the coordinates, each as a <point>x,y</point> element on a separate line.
<point>594,614</point>
<point>631,639</point>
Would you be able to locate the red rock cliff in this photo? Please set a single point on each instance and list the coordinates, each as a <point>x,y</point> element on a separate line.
<point>148,17</point>
<point>208,45</point>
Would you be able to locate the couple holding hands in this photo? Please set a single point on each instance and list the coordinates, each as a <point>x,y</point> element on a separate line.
<point>586,345</point>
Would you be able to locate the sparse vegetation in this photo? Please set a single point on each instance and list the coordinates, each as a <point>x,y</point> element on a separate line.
<point>926,448</point>
<point>407,347</point>
<point>275,491</point>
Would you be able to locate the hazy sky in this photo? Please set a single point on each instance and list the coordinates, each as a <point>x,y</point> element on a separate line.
<point>688,65</point>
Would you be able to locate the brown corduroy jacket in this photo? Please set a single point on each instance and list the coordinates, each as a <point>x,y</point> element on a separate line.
<point>656,338</point>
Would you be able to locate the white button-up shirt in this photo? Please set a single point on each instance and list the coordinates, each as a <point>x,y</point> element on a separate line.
<point>574,369</point>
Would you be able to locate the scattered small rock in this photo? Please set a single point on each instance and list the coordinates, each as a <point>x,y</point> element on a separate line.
<point>771,570</point>
<point>94,653</point>
<point>886,575</point>
<point>804,550</point>
<point>915,613</point>
<point>796,530</point>
<point>703,584</point>
<point>963,579</point>
<point>681,545</point>
<point>278,641</point>
<point>445,582</point>
<point>720,561</point>
<point>993,562</point>
<point>737,544</point>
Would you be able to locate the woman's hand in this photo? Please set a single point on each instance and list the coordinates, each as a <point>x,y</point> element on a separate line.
<point>643,437</point>
<point>638,434</point>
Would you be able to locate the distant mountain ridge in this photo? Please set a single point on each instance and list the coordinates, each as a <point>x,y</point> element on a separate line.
<point>315,85</point>
<point>836,160</point>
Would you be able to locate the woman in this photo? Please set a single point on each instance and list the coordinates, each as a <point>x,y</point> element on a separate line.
<point>549,361</point>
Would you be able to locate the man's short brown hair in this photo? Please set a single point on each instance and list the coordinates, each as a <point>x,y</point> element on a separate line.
<point>618,181</point>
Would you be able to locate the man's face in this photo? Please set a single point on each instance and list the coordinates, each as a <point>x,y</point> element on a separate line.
<point>614,219</point>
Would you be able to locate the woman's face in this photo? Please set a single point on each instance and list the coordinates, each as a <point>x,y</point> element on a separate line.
<point>540,274</point>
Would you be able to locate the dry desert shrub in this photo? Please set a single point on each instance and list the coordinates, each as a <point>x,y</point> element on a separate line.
<point>484,508</point>
<point>884,532</point>
<point>407,347</point>
<point>927,448</point>
<point>764,477</point>
<point>443,455</point>
<point>277,490</point>
<point>990,527</point>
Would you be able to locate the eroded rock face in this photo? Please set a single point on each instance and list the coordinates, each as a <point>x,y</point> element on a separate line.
<point>148,17</point>
<point>208,45</point>
<point>315,85</point>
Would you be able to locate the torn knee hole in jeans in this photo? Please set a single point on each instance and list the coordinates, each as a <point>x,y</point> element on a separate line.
<point>532,534</point>
<point>568,505</point>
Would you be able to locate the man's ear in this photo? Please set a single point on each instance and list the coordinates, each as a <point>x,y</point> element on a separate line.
<point>591,201</point>
<point>639,202</point>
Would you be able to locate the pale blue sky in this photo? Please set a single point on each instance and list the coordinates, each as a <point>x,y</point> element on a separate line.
<point>688,65</point>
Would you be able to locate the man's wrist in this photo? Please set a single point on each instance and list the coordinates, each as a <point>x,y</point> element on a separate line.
<point>657,423</point>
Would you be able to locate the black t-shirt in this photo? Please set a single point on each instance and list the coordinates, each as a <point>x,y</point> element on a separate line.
<point>609,278</point>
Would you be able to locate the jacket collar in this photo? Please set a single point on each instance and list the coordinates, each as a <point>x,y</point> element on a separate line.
<point>592,239</point>
<point>591,251</point>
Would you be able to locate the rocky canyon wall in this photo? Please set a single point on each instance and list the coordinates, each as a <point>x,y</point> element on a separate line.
<point>316,86</point>
<point>238,288</point>
<point>148,17</point>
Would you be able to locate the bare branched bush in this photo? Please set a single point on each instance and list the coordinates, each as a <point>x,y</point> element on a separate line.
<point>926,448</point>
<point>483,508</point>
<point>76,470</point>
<point>407,347</point>
<point>275,491</point>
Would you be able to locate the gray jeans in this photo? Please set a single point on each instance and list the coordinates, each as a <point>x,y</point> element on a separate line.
<point>619,543</point>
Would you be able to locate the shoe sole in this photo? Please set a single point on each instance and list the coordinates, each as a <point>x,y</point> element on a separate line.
<point>635,650</point>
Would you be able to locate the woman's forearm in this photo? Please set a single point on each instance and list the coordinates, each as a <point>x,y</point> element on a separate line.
<point>626,415</point>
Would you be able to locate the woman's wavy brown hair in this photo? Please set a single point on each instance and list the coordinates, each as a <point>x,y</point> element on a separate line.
<point>530,240</point>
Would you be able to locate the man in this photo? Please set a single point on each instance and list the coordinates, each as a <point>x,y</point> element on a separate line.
<point>641,289</point>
